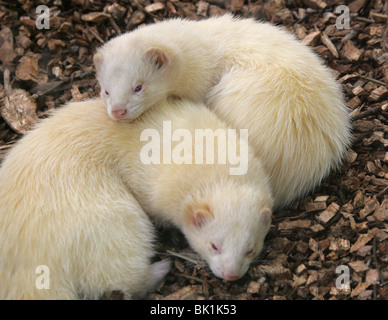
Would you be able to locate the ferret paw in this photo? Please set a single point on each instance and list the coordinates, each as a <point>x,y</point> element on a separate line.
<point>158,271</point>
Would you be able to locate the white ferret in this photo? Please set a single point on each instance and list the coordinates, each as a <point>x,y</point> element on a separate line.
<point>66,204</point>
<point>252,74</point>
<point>66,210</point>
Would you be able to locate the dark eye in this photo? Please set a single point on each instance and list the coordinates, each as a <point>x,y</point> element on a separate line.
<point>214,247</point>
<point>107,93</point>
<point>138,88</point>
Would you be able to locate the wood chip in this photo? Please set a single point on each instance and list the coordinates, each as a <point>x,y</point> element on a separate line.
<point>152,8</point>
<point>116,11</point>
<point>300,269</point>
<point>379,17</point>
<point>202,8</point>
<point>253,287</point>
<point>321,199</point>
<point>298,281</point>
<point>54,44</point>
<point>315,4</point>
<point>287,225</point>
<point>358,266</point>
<point>300,31</point>
<point>351,156</point>
<point>358,91</point>
<point>7,53</point>
<point>379,182</point>
<point>76,94</point>
<point>358,200</point>
<point>311,38</point>
<point>365,295</point>
<point>361,287</point>
<point>186,293</point>
<point>327,42</point>
<point>328,214</point>
<point>317,228</point>
<point>313,277</point>
<point>95,17</point>
<point>339,244</point>
<point>19,111</point>
<point>361,241</point>
<point>370,205</point>
<point>357,5</point>
<point>363,251</point>
<point>372,276</point>
<point>236,5</point>
<point>315,206</point>
<point>137,17</point>
<point>370,167</point>
<point>28,68</point>
<point>302,247</point>
<point>380,234</point>
<point>334,291</point>
<point>378,94</point>
<point>381,213</point>
<point>313,245</point>
<point>350,52</point>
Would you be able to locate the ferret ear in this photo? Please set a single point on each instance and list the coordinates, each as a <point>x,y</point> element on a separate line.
<point>266,216</point>
<point>156,56</point>
<point>97,59</point>
<point>198,214</point>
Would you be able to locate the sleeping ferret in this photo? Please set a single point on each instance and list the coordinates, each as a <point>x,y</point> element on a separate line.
<point>253,75</point>
<point>67,204</point>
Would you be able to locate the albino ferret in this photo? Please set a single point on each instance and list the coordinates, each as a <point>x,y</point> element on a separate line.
<point>252,74</point>
<point>224,214</point>
<point>66,204</point>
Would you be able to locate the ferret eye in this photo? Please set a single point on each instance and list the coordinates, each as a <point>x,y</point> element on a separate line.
<point>250,252</point>
<point>138,88</point>
<point>107,93</point>
<point>214,248</point>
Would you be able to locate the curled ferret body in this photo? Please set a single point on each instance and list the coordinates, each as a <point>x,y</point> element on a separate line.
<point>253,75</point>
<point>75,193</point>
<point>223,207</point>
<point>65,210</point>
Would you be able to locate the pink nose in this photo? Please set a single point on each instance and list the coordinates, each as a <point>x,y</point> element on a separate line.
<point>229,276</point>
<point>119,113</point>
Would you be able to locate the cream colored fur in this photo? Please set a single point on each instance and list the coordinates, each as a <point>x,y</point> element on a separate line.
<point>253,75</point>
<point>66,204</point>
<point>234,211</point>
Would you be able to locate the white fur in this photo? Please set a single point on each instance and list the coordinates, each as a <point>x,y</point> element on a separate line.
<point>253,75</point>
<point>65,205</point>
<point>238,208</point>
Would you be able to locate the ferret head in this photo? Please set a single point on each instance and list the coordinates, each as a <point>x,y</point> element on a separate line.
<point>228,228</point>
<point>132,78</point>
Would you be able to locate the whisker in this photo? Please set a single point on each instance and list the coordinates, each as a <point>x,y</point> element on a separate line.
<point>185,257</point>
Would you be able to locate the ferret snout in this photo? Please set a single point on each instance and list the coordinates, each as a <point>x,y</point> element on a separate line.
<point>227,270</point>
<point>118,113</point>
<point>230,276</point>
